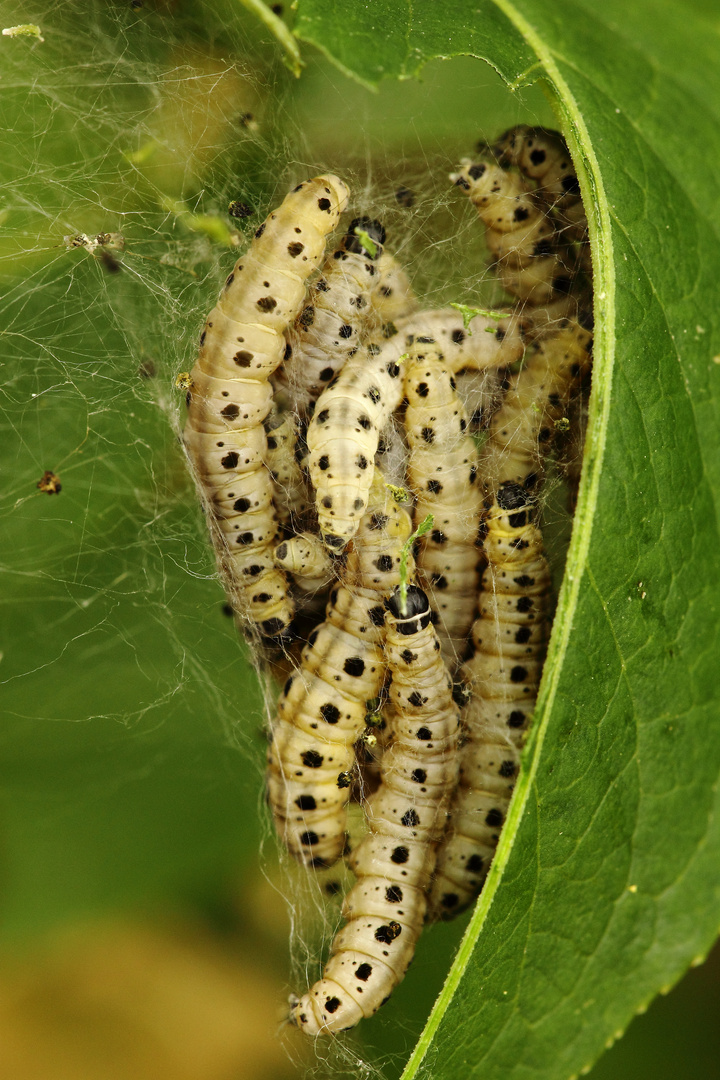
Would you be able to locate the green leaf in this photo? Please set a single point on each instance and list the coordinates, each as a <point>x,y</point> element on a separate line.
<point>606,885</point>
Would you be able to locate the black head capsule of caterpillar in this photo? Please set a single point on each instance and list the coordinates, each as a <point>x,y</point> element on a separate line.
<point>355,239</point>
<point>414,614</point>
<point>516,500</point>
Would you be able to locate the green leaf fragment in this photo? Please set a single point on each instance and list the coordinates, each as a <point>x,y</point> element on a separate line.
<point>367,242</point>
<point>210,225</point>
<point>30,30</point>
<point>424,527</point>
<point>469,313</point>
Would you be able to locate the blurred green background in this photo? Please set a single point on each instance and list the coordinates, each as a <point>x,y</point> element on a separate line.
<point>145,930</point>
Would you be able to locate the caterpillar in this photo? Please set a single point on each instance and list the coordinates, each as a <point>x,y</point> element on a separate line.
<point>333,321</point>
<point>306,559</point>
<point>230,397</point>
<point>520,233</point>
<point>343,437</point>
<point>502,677</point>
<point>344,433</point>
<point>322,709</point>
<point>542,155</point>
<point>509,634</point>
<point>385,909</point>
<point>484,345</point>
<point>442,474</point>
<point>522,430</point>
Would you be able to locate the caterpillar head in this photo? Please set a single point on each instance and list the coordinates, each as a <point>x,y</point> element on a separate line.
<point>410,613</point>
<point>514,505</point>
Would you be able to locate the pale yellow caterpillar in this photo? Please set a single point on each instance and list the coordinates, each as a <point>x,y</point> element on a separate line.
<point>385,909</point>
<point>443,476</point>
<point>502,678</point>
<point>392,297</point>
<point>344,433</point>
<point>523,429</point>
<point>520,233</point>
<point>241,345</point>
<point>323,707</point>
<point>335,317</point>
<point>542,155</point>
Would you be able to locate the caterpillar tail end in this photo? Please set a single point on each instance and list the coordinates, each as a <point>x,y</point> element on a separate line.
<point>324,1010</point>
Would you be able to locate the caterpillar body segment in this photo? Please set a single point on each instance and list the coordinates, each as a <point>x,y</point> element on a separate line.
<point>231,395</point>
<point>335,318</point>
<point>502,677</point>
<point>344,434</point>
<point>322,710</point>
<point>443,476</point>
<point>522,431</point>
<point>392,297</point>
<point>386,907</point>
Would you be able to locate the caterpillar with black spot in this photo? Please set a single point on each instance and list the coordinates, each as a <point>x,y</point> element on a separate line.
<point>502,679</point>
<point>344,433</point>
<point>335,317</point>
<point>385,909</point>
<point>486,343</point>
<point>522,431</point>
<point>343,437</point>
<point>442,474</point>
<point>521,235</point>
<point>542,155</point>
<point>241,346</point>
<point>322,710</point>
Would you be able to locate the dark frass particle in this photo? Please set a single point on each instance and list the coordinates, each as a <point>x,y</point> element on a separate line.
<point>49,483</point>
<point>237,209</point>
